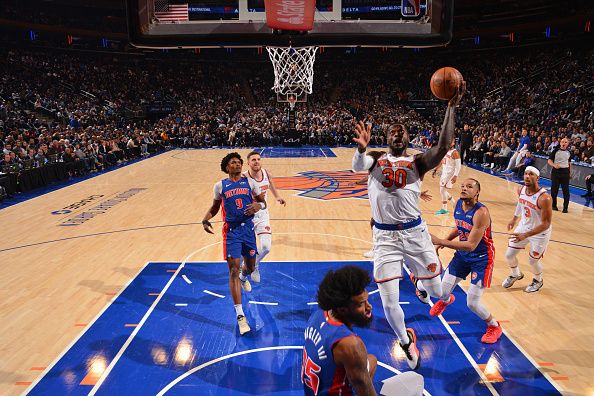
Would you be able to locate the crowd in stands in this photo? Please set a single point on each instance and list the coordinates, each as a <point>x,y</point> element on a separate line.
<point>83,108</point>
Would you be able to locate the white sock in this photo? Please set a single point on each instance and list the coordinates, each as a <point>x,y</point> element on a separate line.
<point>238,310</point>
<point>390,295</point>
<point>492,322</point>
<point>242,277</point>
<point>515,271</point>
<point>444,206</point>
<point>536,268</point>
<point>265,245</point>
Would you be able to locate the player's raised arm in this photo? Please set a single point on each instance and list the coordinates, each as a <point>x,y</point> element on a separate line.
<point>361,161</point>
<point>432,157</point>
<point>350,352</point>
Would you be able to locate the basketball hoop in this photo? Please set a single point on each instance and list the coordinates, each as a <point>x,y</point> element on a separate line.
<point>293,71</point>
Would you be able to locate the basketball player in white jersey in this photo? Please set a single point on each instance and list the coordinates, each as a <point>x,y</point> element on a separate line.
<point>263,179</point>
<point>450,169</point>
<point>535,210</point>
<point>399,233</point>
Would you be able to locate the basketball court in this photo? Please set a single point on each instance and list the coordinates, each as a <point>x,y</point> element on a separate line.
<point>112,287</point>
<point>134,299</point>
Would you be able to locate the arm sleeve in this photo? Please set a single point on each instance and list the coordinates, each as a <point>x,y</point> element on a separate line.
<point>217,190</point>
<point>518,211</point>
<point>457,166</point>
<point>362,161</point>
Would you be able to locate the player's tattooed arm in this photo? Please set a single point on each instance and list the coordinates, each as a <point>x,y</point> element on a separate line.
<point>432,157</point>
<point>350,352</point>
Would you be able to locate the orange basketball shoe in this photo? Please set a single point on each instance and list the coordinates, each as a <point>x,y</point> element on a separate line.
<point>440,306</point>
<point>492,334</point>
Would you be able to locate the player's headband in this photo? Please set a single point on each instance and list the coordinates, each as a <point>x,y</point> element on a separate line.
<point>533,170</point>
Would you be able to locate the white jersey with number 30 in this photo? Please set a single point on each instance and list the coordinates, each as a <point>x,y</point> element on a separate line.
<point>394,188</point>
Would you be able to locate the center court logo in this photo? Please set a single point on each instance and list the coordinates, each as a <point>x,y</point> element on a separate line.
<point>324,185</point>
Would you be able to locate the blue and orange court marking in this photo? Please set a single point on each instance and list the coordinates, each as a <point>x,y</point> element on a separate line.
<point>172,330</point>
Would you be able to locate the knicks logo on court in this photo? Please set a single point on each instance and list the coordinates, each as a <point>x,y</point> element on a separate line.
<point>325,185</point>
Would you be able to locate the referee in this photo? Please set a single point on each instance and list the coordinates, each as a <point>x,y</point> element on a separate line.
<point>561,173</point>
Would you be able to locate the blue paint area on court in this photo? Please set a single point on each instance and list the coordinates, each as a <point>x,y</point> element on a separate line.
<point>190,344</point>
<point>296,152</point>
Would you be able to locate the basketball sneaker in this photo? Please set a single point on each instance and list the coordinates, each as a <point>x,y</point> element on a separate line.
<point>510,280</point>
<point>440,306</point>
<point>421,294</point>
<point>244,327</point>
<point>492,334</point>
<point>255,276</point>
<point>368,254</point>
<point>246,285</point>
<point>413,357</point>
<point>441,211</point>
<point>534,286</point>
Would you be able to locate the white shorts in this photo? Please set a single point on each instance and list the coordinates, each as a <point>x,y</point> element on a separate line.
<point>446,180</point>
<point>262,222</point>
<point>392,249</point>
<point>538,243</point>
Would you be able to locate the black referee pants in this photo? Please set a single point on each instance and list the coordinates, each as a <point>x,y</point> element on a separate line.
<point>464,151</point>
<point>560,177</point>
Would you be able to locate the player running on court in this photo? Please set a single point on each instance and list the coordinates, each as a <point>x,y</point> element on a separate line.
<point>399,233</point>
<point>475,254</point>
<point>263,179</point>
<point>535,210</point>
<point>236,195</point>
<point>450,169</point>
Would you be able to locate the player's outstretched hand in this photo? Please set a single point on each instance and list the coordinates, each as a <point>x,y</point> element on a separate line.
<point>362,135</point>
<point>425,196</point>
<point>518,236</point>
<point>281,201</point>
<point>511,225</point>
<point>435,240</point>
<point>454,179</point>
<point>207,226</point>
<point>252,208</point>
<point>455,101</point>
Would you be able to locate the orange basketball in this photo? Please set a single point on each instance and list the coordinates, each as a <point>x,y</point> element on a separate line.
<point>444,82</point>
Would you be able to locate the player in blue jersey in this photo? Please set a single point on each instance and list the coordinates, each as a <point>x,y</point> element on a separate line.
<point>474,255</point>
<point>240,198</point>
<point>335,360</point>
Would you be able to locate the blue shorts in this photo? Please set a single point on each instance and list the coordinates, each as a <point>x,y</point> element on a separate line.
<point>480,268</point>
<point>239,240</point>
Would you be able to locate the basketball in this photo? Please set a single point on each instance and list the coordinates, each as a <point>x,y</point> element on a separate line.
<point>444,82</point>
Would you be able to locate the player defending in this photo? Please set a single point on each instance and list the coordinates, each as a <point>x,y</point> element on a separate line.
<point>263,179</point>
<point>335,360</point>
<point>236,194</point>
<point>399,233</point>
<point>475,254</point>
<point>536,210</point>
<point>450,169</point>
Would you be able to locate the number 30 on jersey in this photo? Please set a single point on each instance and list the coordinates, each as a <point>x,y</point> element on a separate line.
<point>394,178</point>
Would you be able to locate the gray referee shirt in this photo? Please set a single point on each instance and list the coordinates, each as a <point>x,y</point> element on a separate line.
<point>560,157</point>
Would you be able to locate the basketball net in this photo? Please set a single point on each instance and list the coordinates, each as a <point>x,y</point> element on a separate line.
<point>293,71</point>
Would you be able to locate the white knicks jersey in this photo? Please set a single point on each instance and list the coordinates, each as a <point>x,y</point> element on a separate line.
<point>531,216</point>
<point>264,184</point>
<point>449,163</point>
<point>394,188</point>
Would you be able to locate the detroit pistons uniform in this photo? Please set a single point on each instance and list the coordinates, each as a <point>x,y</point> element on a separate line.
<point>399,233</point>
<point>448,169</point>
<point>238,229</point>
<point>530,218</point>
<point>478,262</point>
<point>319,373</point>
<point>262,217</point>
